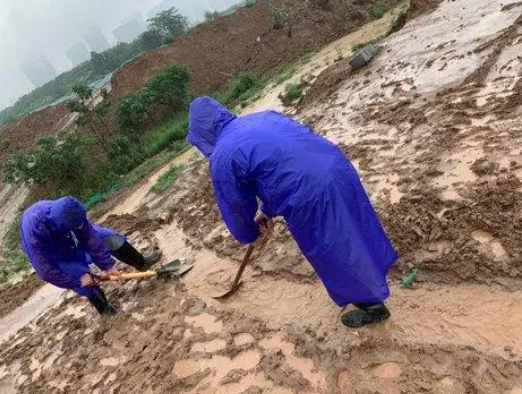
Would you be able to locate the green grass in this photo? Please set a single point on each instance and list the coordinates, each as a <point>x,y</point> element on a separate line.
<point>294,91</point>
<point>249,3</point>
<point>378,11</point>
<point>15,260</point>
<point>240,89</point>
<point>159,138</point>
<point>167,179</point>
<point>148,166</point>
<point>102,196</point>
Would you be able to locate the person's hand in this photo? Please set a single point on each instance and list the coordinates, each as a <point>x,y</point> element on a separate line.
<point>266,225</point>
<point>113,272</point>
<point>86,280</point>
<point>262,240</point>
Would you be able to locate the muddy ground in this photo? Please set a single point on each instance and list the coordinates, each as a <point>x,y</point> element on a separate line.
<point>433,126</point>
<point>14,295</point>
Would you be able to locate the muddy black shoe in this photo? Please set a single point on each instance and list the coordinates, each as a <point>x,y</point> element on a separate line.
<point>150,260</point>
<point>366,314</point>
<point>129,255</point>
<point>102,306</point>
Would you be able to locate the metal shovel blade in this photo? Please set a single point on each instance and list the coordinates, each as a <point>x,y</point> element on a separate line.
<point>174,268</point>
<point>237,280</point>
<point>231,291</point>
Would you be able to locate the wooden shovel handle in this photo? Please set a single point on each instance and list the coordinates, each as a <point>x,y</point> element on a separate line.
<point>248,253</point>
<point>124,277</point>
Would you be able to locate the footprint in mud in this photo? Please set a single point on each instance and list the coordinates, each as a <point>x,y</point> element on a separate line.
<point>490,244</point>
<point>207,322</point>
<point>243,339</point>
<point>388,371</point>
<point>450,386</point>
<point>212,346</point>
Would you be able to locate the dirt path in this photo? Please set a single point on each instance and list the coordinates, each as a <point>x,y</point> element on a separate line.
<point>433,126</point>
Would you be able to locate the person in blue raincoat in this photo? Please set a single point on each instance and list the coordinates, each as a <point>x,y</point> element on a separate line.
<point>310,183</point>
<point>61,243</point>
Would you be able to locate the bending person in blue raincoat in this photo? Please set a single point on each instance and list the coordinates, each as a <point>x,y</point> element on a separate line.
<point>307,180</point>
<point>61,243</point>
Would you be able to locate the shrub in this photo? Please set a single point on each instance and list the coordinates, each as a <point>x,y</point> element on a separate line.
<point>133,112</point>
<point>294,91</point>
<point>378,11</point>
<point>169,87</point>
<point>279,17</point>
<point>59,164</point>
<point>167,178</point>
<point>238,88</point>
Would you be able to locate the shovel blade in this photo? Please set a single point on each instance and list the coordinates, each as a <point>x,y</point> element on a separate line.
<point>231,291</point>
<point>174,268</point>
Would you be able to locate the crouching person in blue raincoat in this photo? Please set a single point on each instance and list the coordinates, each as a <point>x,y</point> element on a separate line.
<point>61,243</point>
<point>307,180</point>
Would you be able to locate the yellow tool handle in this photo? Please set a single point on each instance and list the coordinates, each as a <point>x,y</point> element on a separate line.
<point>134,275</point>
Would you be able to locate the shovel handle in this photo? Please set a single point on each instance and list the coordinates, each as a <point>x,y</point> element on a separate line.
<point>248,253</point>
<point>124,277</point>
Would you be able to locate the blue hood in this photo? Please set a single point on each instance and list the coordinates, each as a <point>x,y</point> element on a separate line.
<point>207,118</point>
<point>67,214</point>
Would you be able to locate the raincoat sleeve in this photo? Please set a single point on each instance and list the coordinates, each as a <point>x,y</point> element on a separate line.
<point>46,270</point>
<point>236,200</point>
<point>95,247</point>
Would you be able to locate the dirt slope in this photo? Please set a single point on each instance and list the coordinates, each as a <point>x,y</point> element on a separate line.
<point>244,41</point>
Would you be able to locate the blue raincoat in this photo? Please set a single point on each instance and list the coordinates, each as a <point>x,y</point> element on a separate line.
<point>60,243</point>
<point>307,180</point>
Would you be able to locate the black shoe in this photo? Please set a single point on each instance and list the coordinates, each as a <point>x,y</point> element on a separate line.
<point>366,314</point>
<point>153,258</point>
<point>100,303</point>
<point>129,255</point>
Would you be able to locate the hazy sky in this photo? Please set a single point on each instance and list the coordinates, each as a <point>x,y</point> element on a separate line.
<point>32,27</point>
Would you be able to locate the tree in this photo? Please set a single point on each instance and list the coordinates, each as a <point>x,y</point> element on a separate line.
<point>211,15</point>
<point>133,111</point>
<point>91,116</point>
<point>59,164</point>
<point>150,39</point>
<point>102,62</point>
<point>169,87</point>
<point>169,22</point>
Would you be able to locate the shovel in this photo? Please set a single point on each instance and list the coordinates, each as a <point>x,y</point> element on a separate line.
<point>174,268</point>
<point>237,280</point>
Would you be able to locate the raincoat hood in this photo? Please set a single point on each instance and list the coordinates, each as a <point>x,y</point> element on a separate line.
<point>67,214</point>
<point>207,118</point>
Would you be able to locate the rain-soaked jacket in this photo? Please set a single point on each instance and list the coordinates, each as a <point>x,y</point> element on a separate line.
<point>60,242</point>
<point>307,180</point>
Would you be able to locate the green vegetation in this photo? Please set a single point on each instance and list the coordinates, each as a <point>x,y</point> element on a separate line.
<point>167,178</point>
<point>163,28</point>
<point>132,113</point>
<point>279,16</point>
<point>58,165</point>
<point>15,260</point>
<point>250,3</point>
<point>169,87</point>
<point>147,167</point>
<point>239,90</point>
<point>378,11</point>
<point>212,15</point>
<point>169,23</point>
<point>166,135</point>
<point>409,279</point>
<point>399,13</point>
<point>294,91</point>
<point>91,117</point>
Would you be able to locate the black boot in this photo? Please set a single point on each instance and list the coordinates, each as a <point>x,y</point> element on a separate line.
<point>102,305</point>
<point>366,314</point>
<point>129,255</point>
